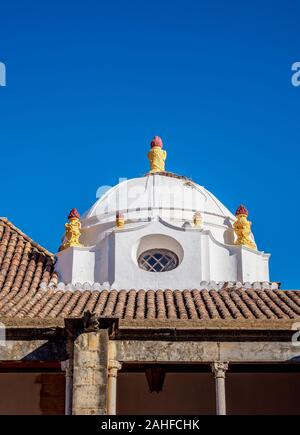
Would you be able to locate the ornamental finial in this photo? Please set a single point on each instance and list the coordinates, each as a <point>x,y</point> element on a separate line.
<point>157,155</point>
<point>242,228</point>
<point>120,220</point>
<point>241,210</point>
<point>72,232</point>
<point>74,214</point>
<point>197,219</point>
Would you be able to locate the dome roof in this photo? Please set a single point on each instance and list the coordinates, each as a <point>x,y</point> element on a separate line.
<point>151,223</point>
<point>173,198</point>
<point>159,192</point>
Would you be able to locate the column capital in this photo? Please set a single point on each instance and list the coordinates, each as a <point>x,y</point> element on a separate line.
<point>219,368</point>
<point>113,368</point>
<point>67,367</point>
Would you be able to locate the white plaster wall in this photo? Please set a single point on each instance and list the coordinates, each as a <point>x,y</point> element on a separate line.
<point>253,265</point>
<point>222,262</point>
<point>105,259</point>
<point>76,265</point>
<point>154,241</point>
<point>128,274</point>
<point>64,265</point>
<point>201,258</point>
<point>154,207</point>
<point>95,229</point>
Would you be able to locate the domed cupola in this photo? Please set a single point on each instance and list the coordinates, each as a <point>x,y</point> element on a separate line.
<point>161,230</point>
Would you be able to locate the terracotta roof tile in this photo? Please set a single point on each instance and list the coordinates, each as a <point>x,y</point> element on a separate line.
<point>170,305</point>
<point>130,305</point>
<point>210,306</point>
<point>250,304</point>
<point>235,305</point>
<point>150,305</point>
<point>140,305</point>
<point>288,300</point>
<point>200,305</point>
<point>28,290</point>
<point>190,305</point>
<point>100,304</point>
<point>120,304</point>
<point>24,264</point>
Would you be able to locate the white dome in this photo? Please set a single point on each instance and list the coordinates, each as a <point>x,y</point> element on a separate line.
<point>159,232</point>
<point>170,197</point>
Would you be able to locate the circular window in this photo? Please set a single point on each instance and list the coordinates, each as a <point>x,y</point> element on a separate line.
<point>158,260</point>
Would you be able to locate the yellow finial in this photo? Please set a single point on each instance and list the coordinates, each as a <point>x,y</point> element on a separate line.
<point>120,220</point>
<point>72,234</point>
<point>157,155</point>
<point>197,219</point>
<point>242,228</point>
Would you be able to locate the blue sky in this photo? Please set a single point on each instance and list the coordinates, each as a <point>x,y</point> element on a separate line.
<point>90,83</point>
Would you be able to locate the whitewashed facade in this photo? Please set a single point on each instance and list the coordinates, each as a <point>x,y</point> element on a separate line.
<point>158,211</point>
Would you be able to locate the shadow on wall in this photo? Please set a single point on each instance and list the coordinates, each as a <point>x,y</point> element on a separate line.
<point>194,393</point>
<point>229,233</point>
<point>263,393</point>
<point>183,393</point>
<point>32,393</point>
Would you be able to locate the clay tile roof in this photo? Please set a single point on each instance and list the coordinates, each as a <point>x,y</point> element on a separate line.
<point>24,265</point>
<point>29,292</point>
<point>204,307</point>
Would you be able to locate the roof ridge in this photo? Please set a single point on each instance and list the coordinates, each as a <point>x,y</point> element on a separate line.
<point>36,245</point>
<point>97,287</point>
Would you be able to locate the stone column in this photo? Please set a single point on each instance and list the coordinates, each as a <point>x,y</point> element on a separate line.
<point>67,367</point>
<point>90,373</point>
<point>219,369</point>
<point>113,367</point>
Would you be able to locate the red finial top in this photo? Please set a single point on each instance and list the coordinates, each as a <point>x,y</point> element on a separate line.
<point>241,210</point>
<point>119,215</point>
<point>156,142</point>
<point>74,214</point>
